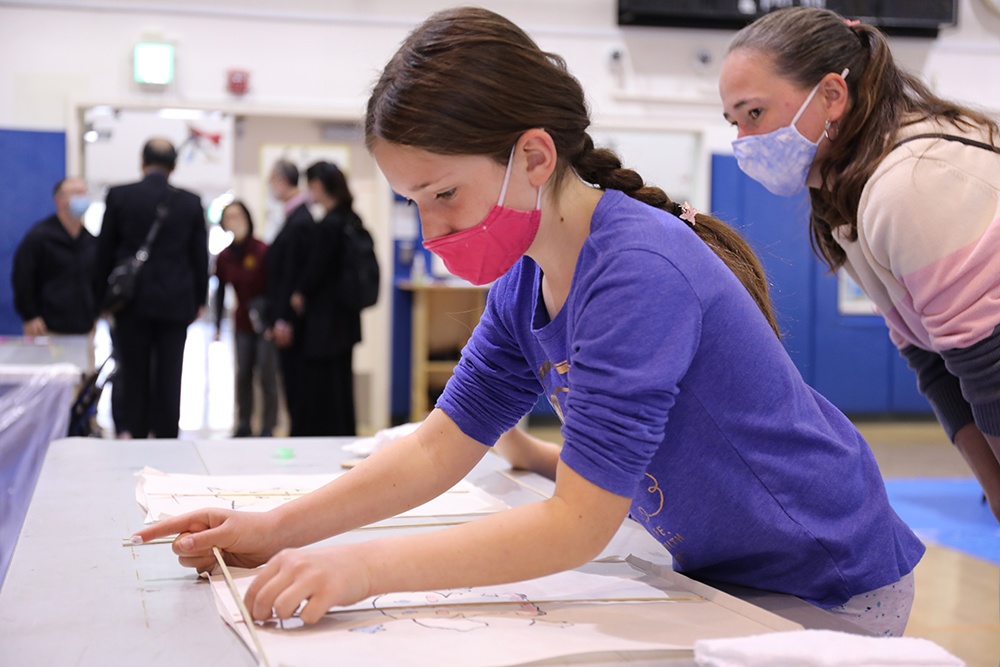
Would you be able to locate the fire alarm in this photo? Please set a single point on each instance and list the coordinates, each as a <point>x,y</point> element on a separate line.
<point>237,81</point>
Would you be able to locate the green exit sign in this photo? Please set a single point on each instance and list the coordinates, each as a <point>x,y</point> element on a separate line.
<point>153,63</point>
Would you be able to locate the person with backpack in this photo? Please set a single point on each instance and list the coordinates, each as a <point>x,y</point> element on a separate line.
<point>326,302</point>
<point>150,330</point>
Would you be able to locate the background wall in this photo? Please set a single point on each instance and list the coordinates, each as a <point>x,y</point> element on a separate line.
<point>317,59</point>
<point>311,64</point>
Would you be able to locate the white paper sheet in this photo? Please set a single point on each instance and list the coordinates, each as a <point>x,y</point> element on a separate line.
<point>569,613</point>
<point>162,495</point>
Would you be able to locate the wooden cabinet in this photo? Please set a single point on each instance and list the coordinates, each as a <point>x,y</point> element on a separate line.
<point>444,315</point>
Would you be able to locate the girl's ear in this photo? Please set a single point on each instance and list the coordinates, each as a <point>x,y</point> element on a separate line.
<point>539,152</point>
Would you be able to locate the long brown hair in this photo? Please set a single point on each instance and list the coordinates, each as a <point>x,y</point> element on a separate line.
<point>469,82</point>
<point>805,44</point>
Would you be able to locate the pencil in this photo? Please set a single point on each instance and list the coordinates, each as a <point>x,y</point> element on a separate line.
<point>251,627</point>
<point>135,541</point>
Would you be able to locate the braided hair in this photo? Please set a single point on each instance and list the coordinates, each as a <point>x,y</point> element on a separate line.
<point>603,168</point>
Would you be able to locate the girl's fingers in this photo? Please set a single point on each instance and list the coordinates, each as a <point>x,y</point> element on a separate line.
<point>200,563</point>
<point>314,610</point>
<point>290,599</point>
<point>263,590</point>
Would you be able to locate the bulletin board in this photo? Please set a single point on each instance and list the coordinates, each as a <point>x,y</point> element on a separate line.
<point>113,141</point>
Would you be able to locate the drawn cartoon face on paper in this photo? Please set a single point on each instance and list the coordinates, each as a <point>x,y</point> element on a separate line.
<point>456,611</point>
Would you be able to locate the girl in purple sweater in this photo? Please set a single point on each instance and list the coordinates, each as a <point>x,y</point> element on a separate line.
<point>650,335</point>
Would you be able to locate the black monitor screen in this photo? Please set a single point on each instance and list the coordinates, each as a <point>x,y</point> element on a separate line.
<point>906,17</point>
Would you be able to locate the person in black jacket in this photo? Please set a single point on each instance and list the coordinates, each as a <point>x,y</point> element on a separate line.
<point>330,330</point>
<point>286,257</point>
<point>54,265</point>
<point>170,293</point>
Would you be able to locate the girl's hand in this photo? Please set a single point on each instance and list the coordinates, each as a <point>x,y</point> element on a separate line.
<point>319,577</point>
<point>526,452</point>
<point>247,539</point>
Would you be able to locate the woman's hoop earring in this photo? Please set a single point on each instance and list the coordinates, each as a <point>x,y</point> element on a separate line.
<point>831,130</point>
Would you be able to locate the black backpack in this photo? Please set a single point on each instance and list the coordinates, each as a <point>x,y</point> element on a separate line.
<point>359,272</point>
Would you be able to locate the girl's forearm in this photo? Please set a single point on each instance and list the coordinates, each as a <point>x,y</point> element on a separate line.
<point>402,475</point>
<point>535,540</point>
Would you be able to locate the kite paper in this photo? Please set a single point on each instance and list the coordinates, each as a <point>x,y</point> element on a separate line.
<point>569,613</point>
<point>164,495</point>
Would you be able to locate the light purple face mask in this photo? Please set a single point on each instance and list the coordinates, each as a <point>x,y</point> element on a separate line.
<point>779,160</point>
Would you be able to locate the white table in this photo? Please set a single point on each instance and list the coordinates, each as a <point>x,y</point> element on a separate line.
<point>44,350</point>
<point>75,596</point>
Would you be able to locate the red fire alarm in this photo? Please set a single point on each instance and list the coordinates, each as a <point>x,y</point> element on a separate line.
<point>237,81</point>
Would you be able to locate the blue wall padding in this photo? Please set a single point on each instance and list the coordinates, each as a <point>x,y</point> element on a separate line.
<point>30,165</point>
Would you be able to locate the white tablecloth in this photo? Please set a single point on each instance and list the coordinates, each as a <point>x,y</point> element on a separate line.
<point>35,402</point>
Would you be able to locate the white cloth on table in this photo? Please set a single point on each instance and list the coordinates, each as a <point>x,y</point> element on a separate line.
<point>821,648</point>
<point>365,446</point>
<point>35,403</point>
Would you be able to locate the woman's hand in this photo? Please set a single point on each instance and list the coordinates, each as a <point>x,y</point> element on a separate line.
<point>982,453</point>
<point>247,539</point>
<point>319,577</point>
<point>282,334</point>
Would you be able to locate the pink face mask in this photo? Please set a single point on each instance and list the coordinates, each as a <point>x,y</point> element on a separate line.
<point>483,253</point>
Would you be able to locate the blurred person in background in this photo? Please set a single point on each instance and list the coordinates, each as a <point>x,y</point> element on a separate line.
<point>243,265</point>
<point>53,268</point>
<point>170,293</point>
<point>329,330</point>
<point>286,257</point>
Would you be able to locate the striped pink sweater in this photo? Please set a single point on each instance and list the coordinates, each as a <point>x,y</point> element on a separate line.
<point>928,255</point>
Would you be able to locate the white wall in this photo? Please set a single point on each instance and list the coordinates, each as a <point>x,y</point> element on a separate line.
<point>312,62</point>
<point>318,58</point>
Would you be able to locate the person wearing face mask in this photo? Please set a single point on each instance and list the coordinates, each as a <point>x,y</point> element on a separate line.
<point>243,264</point>
<point>329,329</point>
<point>54,265</point>
<point>647,325</point>
<point>905,193</point>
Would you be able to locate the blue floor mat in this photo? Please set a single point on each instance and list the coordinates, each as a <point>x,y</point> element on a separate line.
<point>948,512</point>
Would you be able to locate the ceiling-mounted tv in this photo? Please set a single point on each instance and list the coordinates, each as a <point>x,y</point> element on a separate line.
<point>922,18</point>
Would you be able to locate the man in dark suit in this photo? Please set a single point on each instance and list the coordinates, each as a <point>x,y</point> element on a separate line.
<point>170,293</point>
<point>286,258</point>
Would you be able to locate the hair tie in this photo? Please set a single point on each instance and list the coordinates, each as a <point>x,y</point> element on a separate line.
<point>688,213</point>
<point>850,24</point>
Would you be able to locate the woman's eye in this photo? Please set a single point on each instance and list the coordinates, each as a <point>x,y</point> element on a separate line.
<point>448,194</point>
